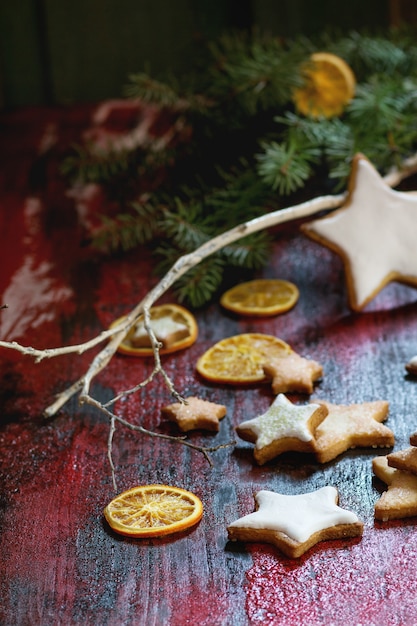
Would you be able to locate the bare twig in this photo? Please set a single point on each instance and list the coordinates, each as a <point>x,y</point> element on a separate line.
<point>117,333</point>
<point>205,450</point>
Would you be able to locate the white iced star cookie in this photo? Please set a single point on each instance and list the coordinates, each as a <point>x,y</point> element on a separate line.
<point>374,232</point>
<point>283,427</point>
<point>295,523</point>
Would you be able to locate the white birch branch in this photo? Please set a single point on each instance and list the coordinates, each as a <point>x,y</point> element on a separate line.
<point>180,267</point>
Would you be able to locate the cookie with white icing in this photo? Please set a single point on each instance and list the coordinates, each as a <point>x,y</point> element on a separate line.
<point>295,523</point>
<point>283,427</point>
<point>374,232</point>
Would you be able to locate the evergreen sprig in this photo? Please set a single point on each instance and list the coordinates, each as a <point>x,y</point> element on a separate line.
<point>248,150</point>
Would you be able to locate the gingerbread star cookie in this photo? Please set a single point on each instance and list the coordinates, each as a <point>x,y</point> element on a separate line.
<point>283,427</point>
<point>400,499</point>
<point>195,413</point>
<point>373,232</point>
<point>293,373</point>
<point>295,523</point>
<point>413,439</point>
<point>351,426</point>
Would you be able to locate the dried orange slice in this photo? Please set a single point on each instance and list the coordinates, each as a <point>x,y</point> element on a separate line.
<point>239,360</point>
<point>174,326</point>
<point>261,297</point>
<point>329,86</point>
<point>153,511</point>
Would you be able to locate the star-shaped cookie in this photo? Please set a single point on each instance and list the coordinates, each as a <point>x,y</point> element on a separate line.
<point>166,330</point>
<point>195,413</point>
<point>351,426</point>
<point>295,523</point>
<point>400,499</point>
<point>284,426</point>
<point>374,232</point>
<point>293,373</point>
<point>404,459</point>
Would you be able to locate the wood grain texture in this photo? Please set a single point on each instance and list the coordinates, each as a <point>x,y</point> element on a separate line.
<point>60,563</point>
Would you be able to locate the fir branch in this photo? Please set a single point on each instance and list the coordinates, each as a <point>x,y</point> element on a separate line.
<point>251,252</point>
<point>186,225</point>
<point>247,148</point>
<point>88,165</point>
<point>368,55</point>
<point>127,230</point>
<point>200,283</point>
<point>256,73</point>
<point>284,166</point>
<point>143,87</point>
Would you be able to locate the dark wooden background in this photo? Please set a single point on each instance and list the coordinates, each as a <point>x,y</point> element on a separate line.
<point>60,563</point>
<point>66,51</point>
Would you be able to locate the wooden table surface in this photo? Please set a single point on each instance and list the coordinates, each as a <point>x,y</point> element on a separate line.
<point>60,562</point>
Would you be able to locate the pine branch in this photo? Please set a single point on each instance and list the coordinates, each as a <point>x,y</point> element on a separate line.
<point>86,165</point>
<point>285,167</point>
<point>248,149</point>
<point>127,230</point>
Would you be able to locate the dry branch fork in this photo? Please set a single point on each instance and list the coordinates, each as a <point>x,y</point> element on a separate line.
<point>117,333</point>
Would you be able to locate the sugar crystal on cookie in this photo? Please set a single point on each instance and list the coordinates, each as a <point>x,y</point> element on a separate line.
<point>350,426</point>
<point>195,413</point>
<point>284,426</point>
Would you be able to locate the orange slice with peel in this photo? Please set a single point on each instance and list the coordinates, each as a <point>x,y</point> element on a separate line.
<point>175,327</point>
<point>153,511</point>
<point>239,360</point>
<point>262,297</point>
<point>329,86</point>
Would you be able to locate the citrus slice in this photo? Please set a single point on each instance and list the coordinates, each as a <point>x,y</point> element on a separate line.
<point>153,511</point>
<point>261,297</point>
<point>329,86</point>
<point>174,326</point>
<point>239,360</point>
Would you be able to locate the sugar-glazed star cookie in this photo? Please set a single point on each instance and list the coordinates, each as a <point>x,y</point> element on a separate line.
<point>404,459</point>
<point>352,426</point>
<point>374,232</point>
<point>400,499</point>
<point>195,413</point>
<point>284,426</point>
<point>295,523</point>
<point>293,373</point>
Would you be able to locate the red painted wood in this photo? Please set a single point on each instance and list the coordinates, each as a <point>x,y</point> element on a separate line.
<point>60,563</point>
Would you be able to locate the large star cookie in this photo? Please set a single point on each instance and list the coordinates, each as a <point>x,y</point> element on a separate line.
<point>283,427</point>
<point>295,523</point>
<point>400,499</point>
<point>374,232</point>
<point>293,372</point>
<point>351,426</point>
<point>195,413</point>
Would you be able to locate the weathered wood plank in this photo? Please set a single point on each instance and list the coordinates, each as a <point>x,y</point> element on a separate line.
<point>60,562</point>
